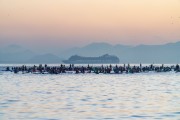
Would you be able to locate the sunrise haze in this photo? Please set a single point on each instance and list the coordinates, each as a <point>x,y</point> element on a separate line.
<point>70,23</point>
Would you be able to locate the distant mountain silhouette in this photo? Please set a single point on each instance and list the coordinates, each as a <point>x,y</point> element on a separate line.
<point>167,53</point>
<point>45,58</point>
<point>15,54</point>
<point>94,49</point>
<point>18,54</point>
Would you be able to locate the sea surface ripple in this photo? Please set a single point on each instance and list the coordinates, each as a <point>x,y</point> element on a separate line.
<point>90,97</point>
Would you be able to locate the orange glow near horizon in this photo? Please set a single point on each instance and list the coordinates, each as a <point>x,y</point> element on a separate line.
<point>112,21</point>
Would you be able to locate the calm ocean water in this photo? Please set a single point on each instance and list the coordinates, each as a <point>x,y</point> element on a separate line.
<point>89,96</point>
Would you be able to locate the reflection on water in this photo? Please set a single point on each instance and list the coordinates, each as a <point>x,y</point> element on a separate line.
<point>90,96</point>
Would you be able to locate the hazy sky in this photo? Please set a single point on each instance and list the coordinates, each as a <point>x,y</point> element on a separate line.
<point>79,22</point>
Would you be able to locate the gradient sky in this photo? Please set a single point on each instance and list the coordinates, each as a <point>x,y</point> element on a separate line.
<point>79,22</point>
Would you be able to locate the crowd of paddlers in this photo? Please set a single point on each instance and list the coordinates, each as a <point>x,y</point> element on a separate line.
<point>107,69</point>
